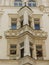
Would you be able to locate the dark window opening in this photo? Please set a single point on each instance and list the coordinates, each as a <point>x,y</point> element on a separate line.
<point>37,26</point>
<point>22,52</point>
<point>21,23</point>
<point>39,52</point>
<point>32,3</point>
<point>29,23</point>
<point>31,50</point>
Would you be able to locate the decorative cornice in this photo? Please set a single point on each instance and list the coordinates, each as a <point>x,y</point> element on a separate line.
<point>26,30</point>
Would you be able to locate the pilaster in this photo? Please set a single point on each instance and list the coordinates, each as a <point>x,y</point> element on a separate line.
<point>18,51</point>
<point>26,46</point>
<point>32,23</point>
<point>18,23</point>
<point>34,52</point>
<point>25,18</point>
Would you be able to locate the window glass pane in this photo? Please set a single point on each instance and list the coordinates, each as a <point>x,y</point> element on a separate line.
<point>32,4</point>
<point>20,4</point>
<point>12,52</point>
<point>13,25</point>
<point>37,26</point>
<point>17,3</point>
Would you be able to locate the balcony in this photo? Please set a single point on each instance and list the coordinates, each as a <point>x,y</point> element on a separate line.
<point>28,30</point>
<point>32,4</point>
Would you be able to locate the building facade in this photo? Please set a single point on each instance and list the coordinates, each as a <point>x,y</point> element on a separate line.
<point>24,32</point>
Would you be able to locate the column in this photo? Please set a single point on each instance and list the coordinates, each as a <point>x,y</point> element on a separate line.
<point>18,51</point>
<point>32,23</point>
<point>26,46</point>
<point>44,48</point>
<point>18,23</point>
<point>34,52</point>
<point>25,18</point>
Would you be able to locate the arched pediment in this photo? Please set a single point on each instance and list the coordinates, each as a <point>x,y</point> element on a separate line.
<point>23,9</point>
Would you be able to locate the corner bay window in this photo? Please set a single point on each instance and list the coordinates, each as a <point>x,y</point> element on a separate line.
<point>39,52</point>
<point>22,49</point>
<point>12,49</point>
